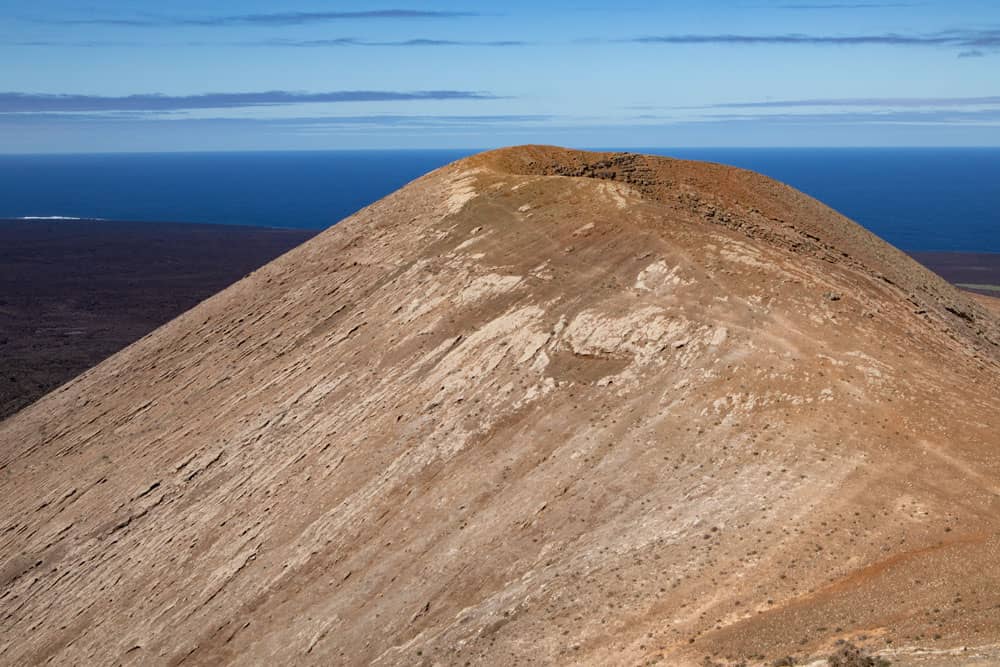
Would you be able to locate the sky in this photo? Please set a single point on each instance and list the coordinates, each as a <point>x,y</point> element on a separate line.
<point>129,75</point>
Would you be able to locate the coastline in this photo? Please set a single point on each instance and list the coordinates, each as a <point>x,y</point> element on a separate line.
<point>976,272</point>
<point>43,219</point>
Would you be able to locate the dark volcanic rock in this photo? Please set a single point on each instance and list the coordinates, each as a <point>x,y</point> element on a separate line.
<point>73,293</point>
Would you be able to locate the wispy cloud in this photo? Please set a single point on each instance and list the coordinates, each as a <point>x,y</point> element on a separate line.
<point>975,43</point>
<point>11,102</point>
<point>369,119</point>
<point>955,117</point>
<point>81,44</point>
<point>333,124</point>
<point>880,102</point>
<point>954,38</point>
<point>421,120</point>
<point>264,19</point>
<point>497,122</point>
<point>982,117</point>
<point>855,5</point>
<point>352,41</point>
<point>334,42</point>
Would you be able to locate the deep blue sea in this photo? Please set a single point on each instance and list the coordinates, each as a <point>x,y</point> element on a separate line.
<point>917,199</point>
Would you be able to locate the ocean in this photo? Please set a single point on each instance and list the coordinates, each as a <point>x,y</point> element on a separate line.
<point>918,199</point>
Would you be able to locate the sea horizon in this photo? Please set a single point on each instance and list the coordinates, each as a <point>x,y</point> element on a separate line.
<point>920,199</point>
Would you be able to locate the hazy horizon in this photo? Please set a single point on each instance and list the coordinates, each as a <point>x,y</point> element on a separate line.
<point>473,151</point>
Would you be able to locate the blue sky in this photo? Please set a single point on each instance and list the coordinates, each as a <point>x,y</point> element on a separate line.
<point>115,75</point>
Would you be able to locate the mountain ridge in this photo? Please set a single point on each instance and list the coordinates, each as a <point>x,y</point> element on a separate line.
<point>527,417</point>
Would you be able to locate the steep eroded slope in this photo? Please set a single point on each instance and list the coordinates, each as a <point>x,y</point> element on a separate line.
<point>517,414</point>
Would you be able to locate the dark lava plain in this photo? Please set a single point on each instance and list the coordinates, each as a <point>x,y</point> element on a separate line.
<point>976,272</point>
<point>75,292</point>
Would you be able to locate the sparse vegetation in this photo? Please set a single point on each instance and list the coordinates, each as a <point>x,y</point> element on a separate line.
<point>849,655</point>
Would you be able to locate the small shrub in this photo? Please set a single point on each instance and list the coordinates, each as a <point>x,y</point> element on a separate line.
<point>849,655</point>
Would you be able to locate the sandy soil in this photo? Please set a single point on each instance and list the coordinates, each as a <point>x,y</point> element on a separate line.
<point>117,281</point>
<point>538,407</point>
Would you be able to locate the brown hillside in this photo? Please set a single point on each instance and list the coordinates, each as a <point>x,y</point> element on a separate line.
<point>537,407</point>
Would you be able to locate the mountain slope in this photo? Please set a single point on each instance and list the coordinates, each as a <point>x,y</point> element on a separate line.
<point>538,406</point>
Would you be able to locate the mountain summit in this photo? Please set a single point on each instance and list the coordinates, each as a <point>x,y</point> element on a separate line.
<point>538,406</point>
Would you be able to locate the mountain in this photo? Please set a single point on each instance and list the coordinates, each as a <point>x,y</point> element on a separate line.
<point>539,406</point>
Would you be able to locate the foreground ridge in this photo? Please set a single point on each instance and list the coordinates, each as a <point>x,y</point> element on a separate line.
<point>538,406</point>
